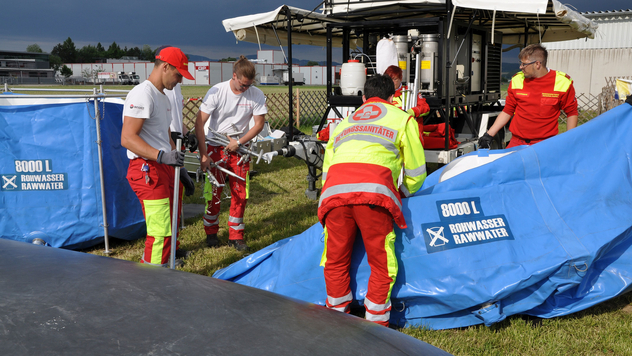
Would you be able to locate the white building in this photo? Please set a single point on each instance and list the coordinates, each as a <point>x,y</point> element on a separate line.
<point>590,61</point>
<point>211,73</point>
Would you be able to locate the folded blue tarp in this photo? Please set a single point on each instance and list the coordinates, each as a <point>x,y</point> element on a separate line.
<point>543,231</point>
<point>50,175</point>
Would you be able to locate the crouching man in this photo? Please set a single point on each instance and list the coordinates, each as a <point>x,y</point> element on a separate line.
<point>363,161</point>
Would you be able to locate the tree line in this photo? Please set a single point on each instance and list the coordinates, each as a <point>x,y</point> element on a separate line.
<point>68,52</point>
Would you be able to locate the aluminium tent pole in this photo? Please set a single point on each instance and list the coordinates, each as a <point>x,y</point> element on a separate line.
<point>288,14</point>
<point>417,81</point>
<point>174,211</point>
<point>97,117</point>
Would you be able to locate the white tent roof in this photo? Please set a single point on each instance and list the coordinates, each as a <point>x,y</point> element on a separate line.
<point>308,27</point>
<point>531,6</point>
<point>546,20</point>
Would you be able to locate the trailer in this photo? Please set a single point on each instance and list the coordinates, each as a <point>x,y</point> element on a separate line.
<point>107,78</point>
<point>450,52</point>
<point>114,78</point>
<point>283,75</point>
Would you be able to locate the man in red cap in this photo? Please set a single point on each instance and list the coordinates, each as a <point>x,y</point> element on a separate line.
<point>152,153</point>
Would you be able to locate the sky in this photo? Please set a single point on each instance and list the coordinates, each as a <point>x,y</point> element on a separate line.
<point>195,25</point>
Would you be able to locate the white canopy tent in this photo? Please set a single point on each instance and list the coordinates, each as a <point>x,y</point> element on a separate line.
<point>270,27</point>
<point>521,22</point>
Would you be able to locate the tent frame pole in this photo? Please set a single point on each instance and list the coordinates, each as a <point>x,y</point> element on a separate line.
<point>97,117</point>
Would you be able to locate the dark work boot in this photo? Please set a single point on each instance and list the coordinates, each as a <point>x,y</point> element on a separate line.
<point>177,263</point>
<point>239,245</point>
<point>211,240</point>
<point>180,253</point>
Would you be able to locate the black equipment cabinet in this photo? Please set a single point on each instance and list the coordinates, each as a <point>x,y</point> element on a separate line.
<point>467,68</point>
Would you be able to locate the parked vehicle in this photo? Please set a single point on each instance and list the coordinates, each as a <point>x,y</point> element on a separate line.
<point>134,78</point>
<point>124,79</point>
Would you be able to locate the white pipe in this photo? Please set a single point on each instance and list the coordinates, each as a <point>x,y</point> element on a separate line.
<point>257,32</point>
<point>451,20</point>
<point>494,25</point>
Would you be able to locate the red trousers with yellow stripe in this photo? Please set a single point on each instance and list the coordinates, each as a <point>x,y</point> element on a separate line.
<point>238,193</point>
<point>376,225</point>
<point>154,189</point>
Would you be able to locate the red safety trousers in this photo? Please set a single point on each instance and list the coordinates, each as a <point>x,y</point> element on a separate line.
<point>154,187</point>
<point>238,193</point>
<point>518,141</point>
<point>376,225</point>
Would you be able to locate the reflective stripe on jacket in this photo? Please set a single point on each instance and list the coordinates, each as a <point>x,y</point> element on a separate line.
<point>365,156</point>
<point>562,81</point>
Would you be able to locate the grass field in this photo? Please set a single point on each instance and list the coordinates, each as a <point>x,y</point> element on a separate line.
<point>278,209</point>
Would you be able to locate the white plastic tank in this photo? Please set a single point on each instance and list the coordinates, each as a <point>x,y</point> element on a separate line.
<point>352,77</point>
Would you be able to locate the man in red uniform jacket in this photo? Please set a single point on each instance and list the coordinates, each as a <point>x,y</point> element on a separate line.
<point>534,98</point>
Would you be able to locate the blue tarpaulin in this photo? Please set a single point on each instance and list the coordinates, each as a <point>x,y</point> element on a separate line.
<point>543,231</point>
<point>50,175</point>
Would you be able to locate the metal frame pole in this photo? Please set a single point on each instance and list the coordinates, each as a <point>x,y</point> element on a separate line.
<point>97,117</point>
<point>175,211</point>
<point>288,14</point>
<point>330,61</point>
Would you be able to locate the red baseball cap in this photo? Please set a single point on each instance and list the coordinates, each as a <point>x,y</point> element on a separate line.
<point>176,58</point>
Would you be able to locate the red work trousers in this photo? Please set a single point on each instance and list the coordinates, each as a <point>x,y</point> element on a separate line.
<point>518,141</point>
<point>238,193</point>
<point>154,187</point>
<point>376,225</point>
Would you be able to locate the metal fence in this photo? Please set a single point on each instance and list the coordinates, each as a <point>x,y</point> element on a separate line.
<point>27,80</point>
<point>591,106</point>
<point>310,105</point>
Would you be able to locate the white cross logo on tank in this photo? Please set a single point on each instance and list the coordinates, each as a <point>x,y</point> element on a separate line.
<point>437,234</point>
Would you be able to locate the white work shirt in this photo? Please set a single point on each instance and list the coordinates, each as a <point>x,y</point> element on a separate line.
<point>175,99</point>
<point>146,102</point>
<point>227,108</point>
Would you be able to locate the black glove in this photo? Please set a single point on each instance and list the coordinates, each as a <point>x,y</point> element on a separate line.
<point>177,135</point>
<point>172,158</point>
<point>187,182</point>
<point>485,141</point>
<point>191,141</point>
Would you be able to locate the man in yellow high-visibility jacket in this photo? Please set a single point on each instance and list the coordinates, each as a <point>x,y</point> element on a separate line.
<point>363,160</point>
